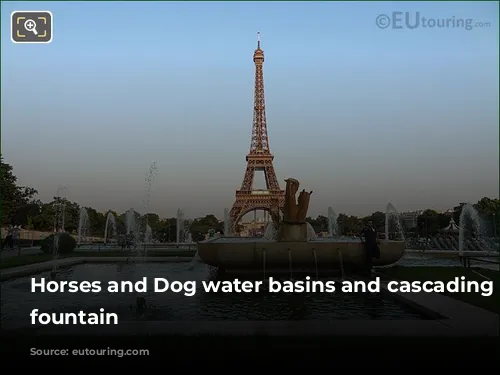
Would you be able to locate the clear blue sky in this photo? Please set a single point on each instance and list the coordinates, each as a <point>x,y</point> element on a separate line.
<point>361,115</point>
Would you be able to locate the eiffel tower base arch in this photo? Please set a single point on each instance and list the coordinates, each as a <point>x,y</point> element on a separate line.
<point>248,202</point>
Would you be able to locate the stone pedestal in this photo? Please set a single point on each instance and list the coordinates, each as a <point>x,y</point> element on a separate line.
<point>292,232</point>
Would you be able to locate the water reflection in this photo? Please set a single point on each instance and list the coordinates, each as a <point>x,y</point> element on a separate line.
<point>18,301</point>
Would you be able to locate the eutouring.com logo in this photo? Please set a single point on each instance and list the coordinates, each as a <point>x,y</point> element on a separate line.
<point>414,20</point>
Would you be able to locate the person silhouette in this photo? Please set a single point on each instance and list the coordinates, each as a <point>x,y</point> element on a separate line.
<point>368,238</point>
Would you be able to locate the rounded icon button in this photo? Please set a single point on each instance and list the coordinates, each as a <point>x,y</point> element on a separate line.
<point>383,21</point>
<point>30,26</point>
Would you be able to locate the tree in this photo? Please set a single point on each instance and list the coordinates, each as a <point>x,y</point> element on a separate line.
<point>66,243</point>
<point>312,222</point>
<point>20,207</point>
<point>457,211</point>
<point>349,225</point>
<point>97,222</point>
<point>13,196</point>
<point>320,224</point>
<point>443,221</point>
<point>489,209</point>
<point>46,220</point>
<point>166,230</point>
<point>71,215</point>
<point>152,219</point>
<point>428,223</point>
<point>488,206</point>
<point>26,213</point>
<point>199,227</point>
<point>378,219</point>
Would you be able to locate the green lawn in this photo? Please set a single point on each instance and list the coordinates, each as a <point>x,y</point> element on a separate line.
<point>22,260</point>
<point>445,274</point>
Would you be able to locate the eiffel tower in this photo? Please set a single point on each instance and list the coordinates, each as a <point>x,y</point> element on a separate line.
<point>259,158</point>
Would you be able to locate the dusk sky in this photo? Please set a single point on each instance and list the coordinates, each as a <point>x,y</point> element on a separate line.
<point>361,115</point>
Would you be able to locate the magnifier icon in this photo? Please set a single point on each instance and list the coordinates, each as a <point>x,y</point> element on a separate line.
<point>30,25</point>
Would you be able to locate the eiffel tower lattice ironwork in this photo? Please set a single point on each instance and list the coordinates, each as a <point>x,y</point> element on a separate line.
<point>259,158</point>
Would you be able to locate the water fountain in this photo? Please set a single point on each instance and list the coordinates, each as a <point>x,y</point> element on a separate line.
<point>83,225</point>
<point>148,235</point>
<point>150,176</point>
<point>61,206</point>
<point>311,233</point>
<point>59,225</point>
<point>133,229</point>
<point>183,229</point>
<point>468,212</point>
<point>179,226</point>
<point>289,238</point>
<point>187,231</point>
<point>110,226</point>
<point>332,223</point>
<point>131,226</point>
<point>270,232</point>
<point>392,214</point>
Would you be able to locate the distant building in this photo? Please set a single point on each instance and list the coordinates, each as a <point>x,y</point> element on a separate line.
<point>253,228</point>
<point>449,212</point>
<point>409,219</point>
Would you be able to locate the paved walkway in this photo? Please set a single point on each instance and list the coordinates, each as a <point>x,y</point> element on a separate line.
<point>460,317</point>
<point>455,318</point>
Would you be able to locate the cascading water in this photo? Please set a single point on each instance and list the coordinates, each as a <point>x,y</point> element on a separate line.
<point>332,223</point>
<point>83,225</point>
<point>59,225</point>
<point>195,259</point>
<point>148,185</point>
<point>188,238</point>
<point>311,233</point>
<point>468,213</point>
<point>183,235</point>
<point>131,224</point>
<point>391,214</point>
<point>179,226</point>
<point>132,236</point>
<point>60,207</point>
<point>130,221</point>
<point>271,234</point>
<point>148,235</point>
<point>110,227</point>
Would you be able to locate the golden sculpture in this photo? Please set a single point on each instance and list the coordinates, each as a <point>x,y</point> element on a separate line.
<point>295,212</point>
<point>303,205</point>
<point>274,211</point>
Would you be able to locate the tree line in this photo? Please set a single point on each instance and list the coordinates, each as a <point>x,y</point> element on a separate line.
<point>20,207</point>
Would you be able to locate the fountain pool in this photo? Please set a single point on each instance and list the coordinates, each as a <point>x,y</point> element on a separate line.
<point>18,301</point>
